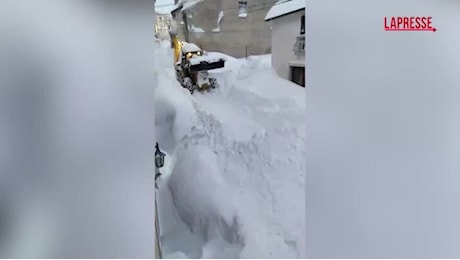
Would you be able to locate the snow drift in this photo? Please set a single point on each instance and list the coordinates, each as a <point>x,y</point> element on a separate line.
<point>233,185</point>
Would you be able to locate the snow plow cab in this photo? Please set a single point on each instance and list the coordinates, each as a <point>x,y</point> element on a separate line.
<point>192,66</point>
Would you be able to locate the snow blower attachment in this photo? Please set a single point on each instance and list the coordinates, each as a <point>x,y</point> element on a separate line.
<point>192,66</point>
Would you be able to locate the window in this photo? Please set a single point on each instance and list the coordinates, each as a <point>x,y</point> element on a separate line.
<point>299,46</point>
<point>242,8</point>
<point>302,25</point>
<point>298,75</point>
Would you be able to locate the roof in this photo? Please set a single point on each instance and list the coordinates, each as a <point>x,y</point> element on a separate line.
<point>189,4</point>
<point>190,47</point>
<point>176,9</point>
<point>165,7</point>
<point>161,13</point>
<point>283,8</point>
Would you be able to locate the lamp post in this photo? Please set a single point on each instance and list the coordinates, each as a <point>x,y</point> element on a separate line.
<point>159,162</point>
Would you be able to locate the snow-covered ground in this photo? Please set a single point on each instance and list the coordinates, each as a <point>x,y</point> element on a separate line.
<point>233,185</point>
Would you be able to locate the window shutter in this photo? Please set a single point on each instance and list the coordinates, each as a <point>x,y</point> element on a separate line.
<point>302,25</point>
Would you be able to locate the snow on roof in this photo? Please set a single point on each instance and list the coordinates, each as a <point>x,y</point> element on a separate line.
<point>284,7</point>
<point>189,4</point>
<point>165,6</point>
<point>190,47</point>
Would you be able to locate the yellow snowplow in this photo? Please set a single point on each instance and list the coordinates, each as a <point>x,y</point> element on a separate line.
<point>192,65</point>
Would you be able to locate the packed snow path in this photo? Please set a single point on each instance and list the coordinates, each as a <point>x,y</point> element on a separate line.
<point>234,181</point>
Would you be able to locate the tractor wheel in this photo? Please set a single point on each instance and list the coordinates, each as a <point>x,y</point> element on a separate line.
<point>187,83</point>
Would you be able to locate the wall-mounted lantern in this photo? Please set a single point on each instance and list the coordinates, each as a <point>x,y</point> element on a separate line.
<point>159,157</point>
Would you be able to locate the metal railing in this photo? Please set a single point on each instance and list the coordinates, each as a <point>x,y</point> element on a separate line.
<point>158,254</point>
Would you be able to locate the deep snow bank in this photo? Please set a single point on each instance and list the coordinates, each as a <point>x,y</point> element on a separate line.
<point>235,183</point>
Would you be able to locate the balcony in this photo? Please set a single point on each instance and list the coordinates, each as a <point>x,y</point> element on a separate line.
<point>299,46</point>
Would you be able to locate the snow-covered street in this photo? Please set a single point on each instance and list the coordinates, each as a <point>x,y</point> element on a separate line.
<point>233,185</point>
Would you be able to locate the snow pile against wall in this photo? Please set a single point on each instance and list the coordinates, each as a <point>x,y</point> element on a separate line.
<point>234,186</point>
<point>173,108</point>
<point>242,66</point>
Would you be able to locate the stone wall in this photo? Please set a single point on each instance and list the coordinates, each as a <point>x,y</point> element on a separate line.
<point>237,35</point>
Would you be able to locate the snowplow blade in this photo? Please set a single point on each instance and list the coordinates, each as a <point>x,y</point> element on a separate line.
<point>204,65</point>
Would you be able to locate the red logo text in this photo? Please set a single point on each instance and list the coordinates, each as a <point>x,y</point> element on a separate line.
<point>413,23</point>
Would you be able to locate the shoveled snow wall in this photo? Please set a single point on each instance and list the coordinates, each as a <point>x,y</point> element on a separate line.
<point>235,184</point>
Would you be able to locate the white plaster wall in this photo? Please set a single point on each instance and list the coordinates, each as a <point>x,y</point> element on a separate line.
<point>284,32</point>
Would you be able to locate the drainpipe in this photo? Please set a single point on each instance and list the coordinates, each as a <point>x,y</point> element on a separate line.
<point>184,18</point>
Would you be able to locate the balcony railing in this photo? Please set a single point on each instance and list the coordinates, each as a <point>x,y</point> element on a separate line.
<point>299,46</point>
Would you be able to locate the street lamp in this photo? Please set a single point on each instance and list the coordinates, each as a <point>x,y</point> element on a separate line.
<point>159,162</point>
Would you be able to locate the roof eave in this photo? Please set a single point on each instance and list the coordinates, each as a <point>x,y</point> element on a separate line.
<point>278,16</point>
<point>178,8</point>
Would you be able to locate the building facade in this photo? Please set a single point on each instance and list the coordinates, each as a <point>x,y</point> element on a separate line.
<point>288,40</point>
<point>162,24</point>
<point>234,27</point>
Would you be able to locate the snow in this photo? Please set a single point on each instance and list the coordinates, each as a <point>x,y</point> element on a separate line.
<point>198,59</point>
<point>190,4</point>
<point>243,12</point>
<point>221,15</point>
<point>196,29</point>
<point>219,20</point>
<point>284,7</point>
<point>297,63</point>
<point>164,6</point>
<point>190,47</point>
<point>233,184</point>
